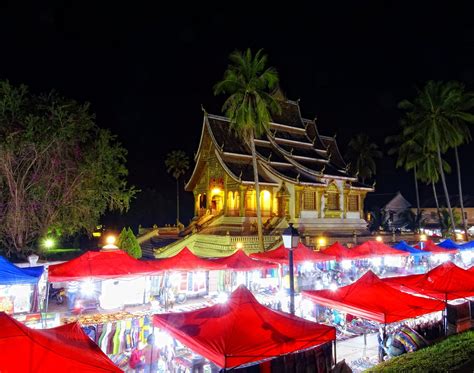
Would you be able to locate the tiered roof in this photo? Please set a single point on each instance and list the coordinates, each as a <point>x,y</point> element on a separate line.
<point>292,150</point>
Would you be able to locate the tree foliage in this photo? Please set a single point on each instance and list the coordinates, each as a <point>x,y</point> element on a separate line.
<point>177,163</point>
<point>128,243</point>
<point>59,172</point>
<point>252,90</point>
<point>362,155</point>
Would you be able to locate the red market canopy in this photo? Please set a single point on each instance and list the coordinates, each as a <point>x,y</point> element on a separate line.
<point>65,348</point>
<point>445,282</point>
<point>185,260</point>
<point>300,254</point>
<point>372,299</point>
<point>340,252</point>
<point>99,265</point>
<point>432,247</point>
<point>243,331</point>
<point>239,261</point>
<point>371,249</point>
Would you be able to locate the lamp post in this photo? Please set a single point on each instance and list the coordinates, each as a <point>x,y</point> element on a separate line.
<point>291,238</point>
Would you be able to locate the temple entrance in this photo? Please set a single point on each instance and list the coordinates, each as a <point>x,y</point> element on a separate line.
<point>217,201</point>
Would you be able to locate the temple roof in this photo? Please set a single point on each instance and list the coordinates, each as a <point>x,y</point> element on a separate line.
<point>292,150</point>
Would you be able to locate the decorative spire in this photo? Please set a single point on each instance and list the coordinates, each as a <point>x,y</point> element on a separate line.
<point>204,110</point>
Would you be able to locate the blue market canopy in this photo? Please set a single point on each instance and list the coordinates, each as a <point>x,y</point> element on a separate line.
<point>10,274</point>
<point>467,246</point>
<point>448,244</point>
<point>403,246</point>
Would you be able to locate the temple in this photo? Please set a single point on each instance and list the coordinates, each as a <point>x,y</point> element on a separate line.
<point>302,175</point>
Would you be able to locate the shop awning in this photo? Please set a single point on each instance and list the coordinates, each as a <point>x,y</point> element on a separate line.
<point>185,260</point>
<point>372,299</point>
<point>300,254</point>
<point>370,249</point>
<point>10,274</point>
<point>340,252</point>
<point>432,247</point>
<point>448,244</point>
<point>467,246</point>
<point>239,261</point>
<point>242,331</point>
<point>99,265</point>
<point>403,246</point>
<point>63,349</point>
<point>445,282</point>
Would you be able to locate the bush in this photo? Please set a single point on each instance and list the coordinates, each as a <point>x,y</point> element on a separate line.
<point>128,243</point>
<point>448,355</point>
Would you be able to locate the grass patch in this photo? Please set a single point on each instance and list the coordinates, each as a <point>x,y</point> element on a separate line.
<point>60,254</point>
<point>444,356</point>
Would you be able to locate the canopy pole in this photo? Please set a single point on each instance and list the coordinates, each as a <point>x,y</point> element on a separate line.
<point>335,352</point>
<point>445,316</point>
<point>46,304</point>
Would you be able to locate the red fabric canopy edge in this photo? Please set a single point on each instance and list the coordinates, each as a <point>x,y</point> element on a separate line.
<point>65,348</point>
<point>242,331</point>
<point>370,298</point>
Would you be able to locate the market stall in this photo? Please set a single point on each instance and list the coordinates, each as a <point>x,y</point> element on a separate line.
<point>373,299</point>
<point>448,244</point>
<point>242,331</point>
<point>19,291</point>
<point>301,254</point>
<point>444,282</point>
<point>186,275</point>
<point>110,279</point>
<point>240,269</point>
<point>62,349</point>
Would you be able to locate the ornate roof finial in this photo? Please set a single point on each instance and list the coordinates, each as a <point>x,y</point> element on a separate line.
<point>204,110</point>
<point>373,185</point>
<point>291,151</point>
<point>329,156</point>
<point>222,146</point>
<point>269,157</point>
<point>334,137</point>
<point>240,176</point>
<point>323,169</point>
<point>298,177</point>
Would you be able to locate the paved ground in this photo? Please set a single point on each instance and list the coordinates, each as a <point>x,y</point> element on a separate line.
<point>357,354</point>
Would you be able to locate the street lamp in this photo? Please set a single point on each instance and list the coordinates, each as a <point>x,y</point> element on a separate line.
<point>291,238</point>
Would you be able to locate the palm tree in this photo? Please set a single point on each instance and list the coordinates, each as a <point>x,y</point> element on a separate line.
<point>362,154</point>
<point>461,117</point>
<point>432,113</point>
<point>409,156</point>
<point>428,172</point>
<point>251,87</point>
<point>177,163</point>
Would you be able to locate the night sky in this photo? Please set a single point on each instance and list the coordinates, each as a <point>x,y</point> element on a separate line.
<point>147,70</point>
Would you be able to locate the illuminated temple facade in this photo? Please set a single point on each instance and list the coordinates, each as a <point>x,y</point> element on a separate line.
<point>303,178</point>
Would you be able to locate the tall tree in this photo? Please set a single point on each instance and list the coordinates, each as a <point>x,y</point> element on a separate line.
<point>433,112</point>
<point>177,163</point>
<point>362,154</point>
<point>59,172</point>
<point>251,87</point>
<point>462,116</point>
<point>428,172</point>
<point>409,156</point>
